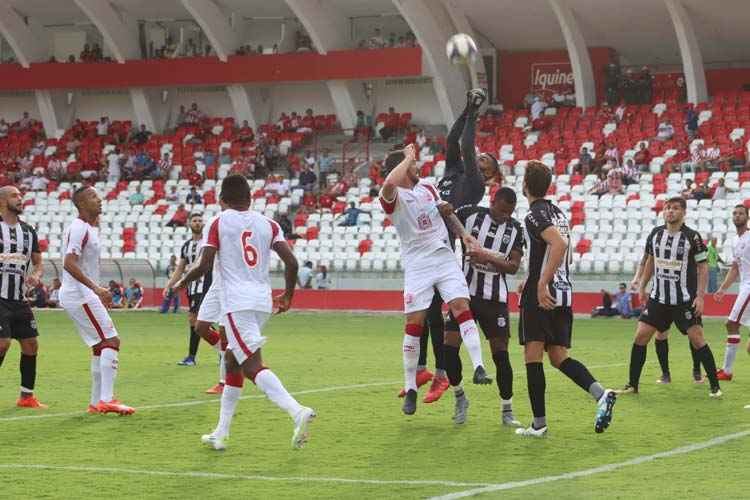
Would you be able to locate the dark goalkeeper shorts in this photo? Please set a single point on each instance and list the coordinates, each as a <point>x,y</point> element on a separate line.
<point>17,320</point>
<point>553,327</point>
<point>491,316</point>
<point>194,302</point>
<point>661,316</point>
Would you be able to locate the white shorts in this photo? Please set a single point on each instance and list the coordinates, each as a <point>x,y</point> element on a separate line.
<point>244,333</point>
<point>443,273</point>
<point>210,310</point>
<point>741,309</point>
<point>92,319</point>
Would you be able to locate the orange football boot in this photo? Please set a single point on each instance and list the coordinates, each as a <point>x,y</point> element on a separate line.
<point>30,402</point>
<point>423,376</point>
<point>438,387</point>
<point>114,407</point>
<point>217,389</point>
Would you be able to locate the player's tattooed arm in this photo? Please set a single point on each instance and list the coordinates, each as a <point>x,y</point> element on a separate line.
<point>731,277</point>
<point>200,269</point>
<point>283,302</point>
<point>495,260</point>
<point>455,226</point>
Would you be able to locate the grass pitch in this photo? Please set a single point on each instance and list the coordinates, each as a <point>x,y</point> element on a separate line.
<point>348,367</point>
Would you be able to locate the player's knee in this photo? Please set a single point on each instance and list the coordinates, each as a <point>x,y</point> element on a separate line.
<point>459,306</point>
<point>498,344</point>
<point>414,329</point>
<point>732,326</point>
<point>114,343</point>
<point>452,338</point>
<point>29,346</point>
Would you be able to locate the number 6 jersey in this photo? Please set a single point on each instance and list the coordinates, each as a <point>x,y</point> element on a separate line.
<point>243,242</point>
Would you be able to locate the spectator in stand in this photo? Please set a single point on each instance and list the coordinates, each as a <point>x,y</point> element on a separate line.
<point>173,297</point>
<point>194,197</point>
<point>307,179</point>
<point>709,157</point>
<point>537,108</point>
<point>713,258</point>
<point>325,162</point>
<point>134,294</point>
<point>601,187</point>
<point>584,162</point>
<point>307,122</point>
<point>194,177</point>
<point>38,182</point>
<point>642,158</point>
<point>606,310</point>
<point>361,125</point>
<point>624,303</point>
<point>309,159</point>
<point>165,166</point>
<point>102,128</point>
<point>665,131</point>
<point>305,275</point>
<point>118,295</point>
<point>276,185</point>
<point>739,154</point>
<point>351,215</point>
<point>37,295</point>
<point>137,198</point>
<point>322,282</point>
<point>25,122</point>
<point>612,155</point>
<point>90,171</point>
<point>55,169</point>
<point>145,167</point>
<point>53,299</point>
<point>194,115</point>
<point>691,123</point>
<point>720,192</point>
<point>630,173</point>
<point>286,227</point>
<point>172,195</point>
<point>4,128</point>
<point>72,145</point>
<point>224,157</point>
<point>700,192</point>
<point>179,219</point>
<point>182,116</point>
<point>113,166</point>
<point>245,134</point>
<point>687,193</point>
<point>614,182</point>
<point>376,41</point>
<point>141,136</point>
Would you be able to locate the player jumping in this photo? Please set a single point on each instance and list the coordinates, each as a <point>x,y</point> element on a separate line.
<point>677,262</point>
<point>242,240</point>
<point>546,320</point>
<point>740,314</point>
<point>429,264</point>
<point>86,302</point>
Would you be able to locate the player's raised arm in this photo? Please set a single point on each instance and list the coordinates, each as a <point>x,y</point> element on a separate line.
<point>557,248</point>
<point>398,176</point>
<point>283,302</point>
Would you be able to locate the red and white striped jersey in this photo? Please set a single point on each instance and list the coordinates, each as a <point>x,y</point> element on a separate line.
<point>243,242</point>
<point>420,226</point>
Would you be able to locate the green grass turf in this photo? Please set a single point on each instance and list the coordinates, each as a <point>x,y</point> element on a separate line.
<point>360,433</point>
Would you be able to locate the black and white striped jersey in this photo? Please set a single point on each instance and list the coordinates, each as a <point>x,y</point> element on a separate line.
<point>190,252</point>
<point>676,257</point>
<point>543,214</point>
<point>17,243</point>
<point>484,281</point>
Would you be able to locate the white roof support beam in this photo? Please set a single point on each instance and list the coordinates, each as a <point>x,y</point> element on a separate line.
<point>30,48</point>
<point>692,60</point>
<point>120,33</point>
<point>225,40</point>
<point>214,22</point>
<point>580,61</point>
<point>432,26</point>
<point>328,30</point>
<point>461,22</point>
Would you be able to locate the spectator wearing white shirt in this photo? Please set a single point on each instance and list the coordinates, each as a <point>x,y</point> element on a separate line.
<point>102,128</point>
<point>720,193</point>
<point>113,166</point>
<point>537,108</point>
<point>276,185</point>
<point>322,282</point>
<point>710,156</point>
<point>55,169</point>
<point>39,183</point>
<point>665,131</point>
<point>305,275</point>
<point>376,41</point>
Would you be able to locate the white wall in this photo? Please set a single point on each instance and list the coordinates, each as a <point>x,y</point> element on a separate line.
<point>300,96</point>
<point>414,95</point>
<point>12,106</point>
<point>363,28</point>
<point>266,32</point>
<point>213,101</point>
<point>94,105</point>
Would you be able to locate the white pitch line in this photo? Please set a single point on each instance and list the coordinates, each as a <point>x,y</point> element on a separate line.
<point>597,470</point>
<point>254,396</point>
<point>216,475</point>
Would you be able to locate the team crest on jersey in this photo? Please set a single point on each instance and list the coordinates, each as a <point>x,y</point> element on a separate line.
<point>501,322</point>
<point>506,239</point>
<point>33,324</point>
<point>688,315</point>
<point>408,299</point>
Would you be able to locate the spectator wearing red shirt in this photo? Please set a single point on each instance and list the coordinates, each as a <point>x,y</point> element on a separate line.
<point>194,178</point>
<point>179,218</point>
<point>739,154</point>
<point>308,122</point>
<point>246,134</point>
<point>642,158</point>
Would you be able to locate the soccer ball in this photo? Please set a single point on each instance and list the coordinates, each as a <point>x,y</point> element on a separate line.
<point>461,49</point>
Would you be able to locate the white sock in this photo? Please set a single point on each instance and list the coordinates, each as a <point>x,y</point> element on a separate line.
<point>222,367</point>
<point>96,380</point>
<point>733,340</point>
<point>108,366</point>
<point>229,399</point>
<point>470,337</point>
<point>271,386</point>
<point>411,358</point>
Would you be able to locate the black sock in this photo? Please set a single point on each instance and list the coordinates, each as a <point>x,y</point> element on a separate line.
<point>423,349</point>
<point>706,357</point>
<point>662,352</point>
<point>696,358</point>
<point>637,360</point>
<point>195,341</point>
<point>452,364</point>
<point>28,373</point>
<point>437,335</point>
<point>578,373</point>
<point>537,386</point>
<point>504,374</point>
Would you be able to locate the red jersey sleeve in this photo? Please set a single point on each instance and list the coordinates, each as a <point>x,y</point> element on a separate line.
<point>213,235</point>
<point>388,206</point>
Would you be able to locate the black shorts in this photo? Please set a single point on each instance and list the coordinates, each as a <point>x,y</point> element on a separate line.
<point>553,327</point>
<point>661,316</point>
<point>17,320</point>
<point>194,302</point>
<point>492,318</point>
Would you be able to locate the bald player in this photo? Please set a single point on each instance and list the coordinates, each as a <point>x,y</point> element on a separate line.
<point>19,251</point>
